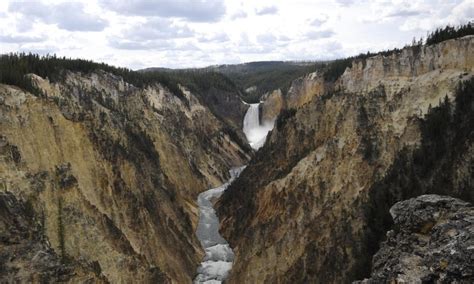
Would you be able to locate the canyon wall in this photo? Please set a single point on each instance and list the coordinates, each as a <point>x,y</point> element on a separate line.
<point>110,173</point>
<point>313,205</point>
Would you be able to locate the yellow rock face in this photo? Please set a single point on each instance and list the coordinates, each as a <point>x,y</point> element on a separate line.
<point>273,103</point>
<point>112,172</point>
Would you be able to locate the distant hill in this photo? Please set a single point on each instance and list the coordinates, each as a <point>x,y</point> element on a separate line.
<point>257,78</point>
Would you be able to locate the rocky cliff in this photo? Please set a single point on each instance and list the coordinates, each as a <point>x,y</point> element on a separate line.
<point>432,241</point>
<point>272,105</point>
<point>111,173</point>
<point>313,205</point>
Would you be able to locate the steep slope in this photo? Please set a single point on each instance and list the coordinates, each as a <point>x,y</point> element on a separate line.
<point>26,255</point>
<point>112,171</point>
<point>313,204</point>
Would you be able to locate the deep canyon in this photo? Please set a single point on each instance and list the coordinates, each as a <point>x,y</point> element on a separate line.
<point>365,176</point>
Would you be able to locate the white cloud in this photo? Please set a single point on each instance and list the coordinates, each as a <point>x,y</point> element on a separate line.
<point>38,48</point>
<point>463,12</point>
<point>268,10</point>
<point>215,38</point>
<point>239,15</point>
<point>345,2</point>
<point>404,12</point>
<point>192,10</point>
<point>21,38</point>
<point>153,34</point>
<point>315,34</point>
<point>195,33</point>
<point>318,21</point>
<point>66,15</point>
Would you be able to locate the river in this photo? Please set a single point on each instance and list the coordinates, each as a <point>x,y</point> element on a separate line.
<point>218,259</point>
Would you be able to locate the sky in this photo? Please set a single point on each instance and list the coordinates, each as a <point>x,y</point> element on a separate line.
<point>197,33</point>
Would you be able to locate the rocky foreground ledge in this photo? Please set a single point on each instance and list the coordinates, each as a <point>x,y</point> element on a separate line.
<point>432,241</point>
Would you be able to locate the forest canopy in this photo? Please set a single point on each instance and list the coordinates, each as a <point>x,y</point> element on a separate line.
<point>450,32</point>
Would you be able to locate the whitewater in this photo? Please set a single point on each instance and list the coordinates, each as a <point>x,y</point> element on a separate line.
<point>218,258</point>
<point>255,132</point>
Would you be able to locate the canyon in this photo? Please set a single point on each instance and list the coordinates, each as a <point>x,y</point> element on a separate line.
<point>331,180</point>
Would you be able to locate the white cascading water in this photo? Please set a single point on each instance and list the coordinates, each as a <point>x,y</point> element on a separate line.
<point>256,133</point>
<point>219,256</point>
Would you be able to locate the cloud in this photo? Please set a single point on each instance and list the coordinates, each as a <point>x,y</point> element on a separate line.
<point>263,44</point>
<point>155,34</point>
<point>459,13</point>
<point>327,50</point>
<point>38,49</point>
<point>191,10</point>
<point>23,24</point>
<point>67,15</point>
<point>239,15</point>
<point>216,38</point>
<point>139,45</point>
<point>186,46</point>
<point>403,12</point>
<point>269,10</point>
<point>21,38</point>
<point>157,28</point>
<point>266,38</point>
<point>345,2</point>
<point>463,12</point>
<point>315,34</point>
<point>318,21</point>
<point>71,16</point>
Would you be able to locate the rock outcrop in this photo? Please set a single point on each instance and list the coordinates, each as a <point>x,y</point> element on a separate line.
<point>27,257</point>
<point>432,241</point>
<point>312,206</point>
<point>303,89</point>
<point>112,172</point>
<point>272,105</point>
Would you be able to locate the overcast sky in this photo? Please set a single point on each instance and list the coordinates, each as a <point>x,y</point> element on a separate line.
<point>197,33</point>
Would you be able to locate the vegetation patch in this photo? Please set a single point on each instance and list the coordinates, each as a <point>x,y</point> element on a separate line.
<point>447,131</point>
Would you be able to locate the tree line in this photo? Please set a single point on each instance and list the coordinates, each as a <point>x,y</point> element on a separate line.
<point>14,67</point>
<point>449,32</point>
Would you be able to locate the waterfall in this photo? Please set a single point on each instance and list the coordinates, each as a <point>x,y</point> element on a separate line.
<point>255,132</point>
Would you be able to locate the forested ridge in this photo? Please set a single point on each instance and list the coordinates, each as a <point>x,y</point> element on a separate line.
<point>14,67</point>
